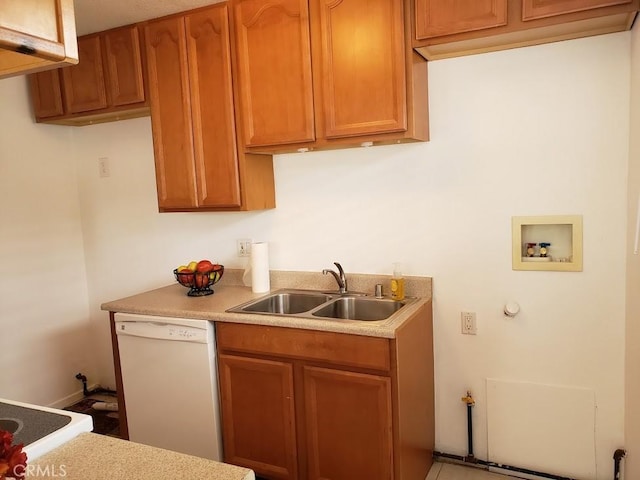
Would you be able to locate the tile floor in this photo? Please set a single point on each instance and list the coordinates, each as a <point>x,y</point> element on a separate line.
<point>449,471</point>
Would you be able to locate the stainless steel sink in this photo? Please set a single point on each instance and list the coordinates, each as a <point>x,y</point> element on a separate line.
<point>318,305</point>
<point>364,309</point>
<point>287,303</point>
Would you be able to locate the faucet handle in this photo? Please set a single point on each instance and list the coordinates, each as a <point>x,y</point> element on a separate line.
<point>340,269</point>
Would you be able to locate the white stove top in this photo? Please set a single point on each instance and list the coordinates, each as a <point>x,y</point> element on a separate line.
<point>78,423</point>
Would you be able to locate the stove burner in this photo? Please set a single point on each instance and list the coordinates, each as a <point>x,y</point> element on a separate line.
<point>11,425</point>
<point>30,424</point>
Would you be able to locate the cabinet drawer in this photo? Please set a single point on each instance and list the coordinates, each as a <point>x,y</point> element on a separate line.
<point>327,347</point>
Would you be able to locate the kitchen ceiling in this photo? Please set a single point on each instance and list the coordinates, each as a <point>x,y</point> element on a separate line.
<point>98,15</point>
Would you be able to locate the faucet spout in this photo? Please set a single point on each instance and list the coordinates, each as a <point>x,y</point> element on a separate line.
<point>341,279</point>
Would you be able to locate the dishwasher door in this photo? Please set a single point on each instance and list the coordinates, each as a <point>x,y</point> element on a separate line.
<point>170,383</point>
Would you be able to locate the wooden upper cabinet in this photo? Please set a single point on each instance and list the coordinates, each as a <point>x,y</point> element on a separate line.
<point>534,9</point>
<point>36,35</point>
<point>84,85</point>
<point>46,94</point>
<point>198,166</point>
<point>211,89</point>
<point>320,74</point>
<point>453,28</point>
<point>435,18</point>
<point>107,85</point>
<point>171,112</point>
<point>123,64</point>
<point>361,67</point>
<point>273,71</point>
<point>258,415</point>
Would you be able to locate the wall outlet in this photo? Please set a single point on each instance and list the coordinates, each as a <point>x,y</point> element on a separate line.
<point>103,167</point>
<point>468,323</point>
<point>244,247</point>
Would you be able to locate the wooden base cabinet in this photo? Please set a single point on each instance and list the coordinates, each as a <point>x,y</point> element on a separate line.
<point>198,166</point>
<point>463,27</point>
<point>321,74</point>
<point>313,405</point>
<point>106,85</point>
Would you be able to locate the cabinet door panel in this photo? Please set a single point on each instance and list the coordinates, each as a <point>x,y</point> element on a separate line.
<point>46,94</point>
<point>171,113</point>
<point>84,86</point>
<point>33,17</point>
<point>349,429</point>
<point>45,29</point>
<point>124,66</point>
<point>362,69</point>
<point>534,9</point>
<point>435,18</point>
<point>274,71</point>
<point>212,107</point>
<point>258,415</point>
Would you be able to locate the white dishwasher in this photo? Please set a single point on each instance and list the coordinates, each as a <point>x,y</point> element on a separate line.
<point>170,383</point>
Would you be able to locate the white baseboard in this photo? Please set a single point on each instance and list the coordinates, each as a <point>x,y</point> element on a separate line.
<point>71,399</point>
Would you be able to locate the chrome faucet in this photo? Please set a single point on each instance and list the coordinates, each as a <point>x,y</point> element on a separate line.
<point>340,278</point>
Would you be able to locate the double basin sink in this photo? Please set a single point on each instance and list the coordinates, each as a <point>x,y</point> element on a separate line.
<point>319,305</point>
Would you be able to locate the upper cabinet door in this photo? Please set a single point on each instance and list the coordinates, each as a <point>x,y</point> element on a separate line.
<point>36,35</point>
<point>171,113</point>
<point>435,18</point>
<point>360,74</point>
<point>274,71</point>
<point>46,94</point>
<point>124,66</point>
<point>84,86</point>
<point>534,9</point>
<point>209,54</point>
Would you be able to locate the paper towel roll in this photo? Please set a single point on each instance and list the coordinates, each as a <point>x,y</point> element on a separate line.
<point>260,267</point>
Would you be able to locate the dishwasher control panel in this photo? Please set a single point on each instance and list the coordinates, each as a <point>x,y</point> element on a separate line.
<point>181,330</point>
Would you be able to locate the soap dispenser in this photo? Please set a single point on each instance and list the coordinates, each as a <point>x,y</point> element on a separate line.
<point>397,283</point>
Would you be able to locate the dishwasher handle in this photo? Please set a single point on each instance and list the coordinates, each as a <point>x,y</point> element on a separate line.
<point>163,331</point>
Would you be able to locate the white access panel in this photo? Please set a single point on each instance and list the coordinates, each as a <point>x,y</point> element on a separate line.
<point>545,428</point>
<point>170,383</point>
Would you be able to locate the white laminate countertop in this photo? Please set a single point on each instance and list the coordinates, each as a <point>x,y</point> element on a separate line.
<point>99,457</point>
<point>172,301</point>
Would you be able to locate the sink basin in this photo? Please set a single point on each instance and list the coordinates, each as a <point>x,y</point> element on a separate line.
<point>358,308</point>
<point>312,304</point>
<point>286,303</point>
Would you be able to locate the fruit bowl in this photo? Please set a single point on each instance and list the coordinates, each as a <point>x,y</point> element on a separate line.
<point>199,283</point>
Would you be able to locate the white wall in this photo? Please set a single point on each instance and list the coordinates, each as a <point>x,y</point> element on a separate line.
<point>541,130</point>
<point>534,131</point>
<point>632,424</point>
<point>44,315</point>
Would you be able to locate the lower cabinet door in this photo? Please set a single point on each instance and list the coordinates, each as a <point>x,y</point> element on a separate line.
<point>348,425</point>
<point>258,415</point>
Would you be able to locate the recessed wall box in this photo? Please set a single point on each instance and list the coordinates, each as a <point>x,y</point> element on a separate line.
<point>551,242</point>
